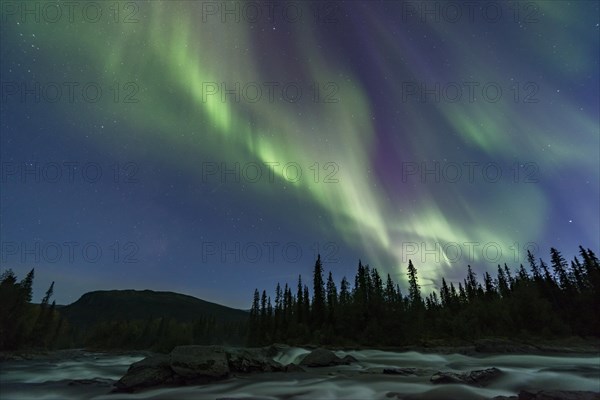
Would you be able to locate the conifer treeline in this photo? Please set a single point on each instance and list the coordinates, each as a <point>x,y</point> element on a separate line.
<point>23,324</point>
<point>540,301</point>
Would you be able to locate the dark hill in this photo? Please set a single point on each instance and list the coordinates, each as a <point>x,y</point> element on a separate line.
<point>115,305</point>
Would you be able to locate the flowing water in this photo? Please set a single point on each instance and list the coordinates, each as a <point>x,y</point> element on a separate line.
<point>53,379</point>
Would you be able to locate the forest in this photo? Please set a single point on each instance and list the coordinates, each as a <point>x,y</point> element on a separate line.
<point>545,300</point>
<point>540,301</point>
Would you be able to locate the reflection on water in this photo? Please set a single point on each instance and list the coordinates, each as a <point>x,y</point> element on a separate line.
<point>52,379</point>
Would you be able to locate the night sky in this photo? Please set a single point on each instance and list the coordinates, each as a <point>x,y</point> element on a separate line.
<point>210,148</point>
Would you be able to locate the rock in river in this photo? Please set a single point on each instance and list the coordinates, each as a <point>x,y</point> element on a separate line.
<point>325,358</point>
<point>480,377</point>
<point>195,365</point>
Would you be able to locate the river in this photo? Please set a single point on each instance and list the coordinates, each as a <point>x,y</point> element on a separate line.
<point>63,379</point>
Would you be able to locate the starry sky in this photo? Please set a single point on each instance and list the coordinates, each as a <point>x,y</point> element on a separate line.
<point>210,148</point>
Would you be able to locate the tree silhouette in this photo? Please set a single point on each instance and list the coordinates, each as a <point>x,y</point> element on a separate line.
<point>318,304</point>
<point>414,290</point>
<point>376,313</point>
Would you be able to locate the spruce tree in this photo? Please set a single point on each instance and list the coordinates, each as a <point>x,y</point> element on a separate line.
<point>278,312</point>
<point>318,305</point>
<point>48,295</point>
<point>547,275</point>
<point>44,318</point>
<point>502,281</point>
<point>299,302</point>
<point>278,299</point>
<point>559,264</point>
<point>263,318</point>
<point>490,289</point>
<point>462,294</point>
<point>390,292</point>
<point>471,284</point>
<point>27,286</point>
<point>332,299</point>
<point>578,275</point>
<point>509,278</point>
<point>306,304</point>
<point>522,278</point>
<point>535,270</point>
<point>445,294</point>
<point>414,290</point>
<point>344,292</point>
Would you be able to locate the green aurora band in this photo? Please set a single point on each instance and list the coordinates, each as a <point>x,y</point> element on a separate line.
<point>170,53</point>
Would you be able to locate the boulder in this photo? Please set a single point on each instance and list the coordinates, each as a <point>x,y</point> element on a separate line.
<point>251,360</point>
<point>151,371</point>
<point>484,377</point>
<point>196,365</point>
<point>475,378</point>
<point>325,358</point>
<point>199,363</point>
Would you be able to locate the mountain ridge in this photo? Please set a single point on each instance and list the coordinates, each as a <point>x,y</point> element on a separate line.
<point>131,304</point>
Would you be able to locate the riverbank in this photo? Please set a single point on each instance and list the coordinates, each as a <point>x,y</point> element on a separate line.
<point>66,354</point>
<point>572,345</point>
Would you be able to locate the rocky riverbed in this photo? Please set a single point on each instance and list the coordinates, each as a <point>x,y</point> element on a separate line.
<point>281,372</point>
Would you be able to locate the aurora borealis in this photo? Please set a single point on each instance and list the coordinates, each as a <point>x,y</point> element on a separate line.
<point>228,131</point>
